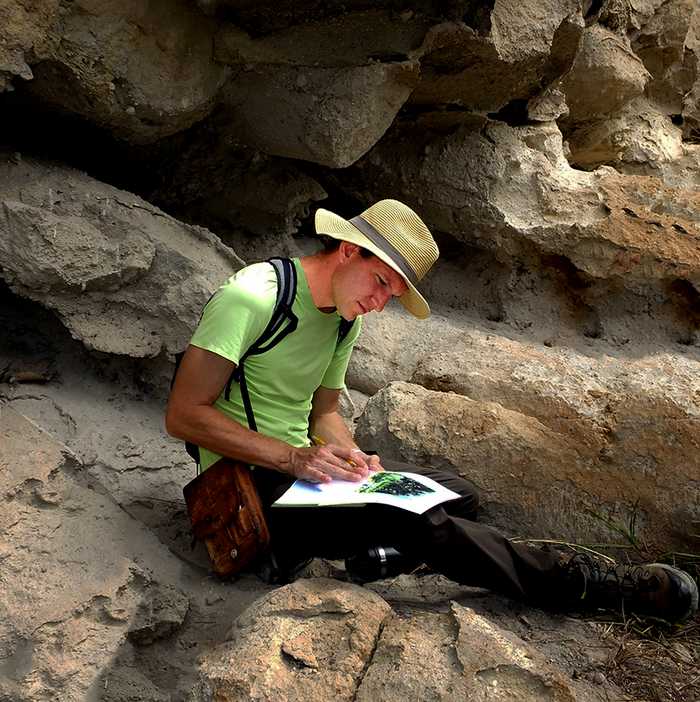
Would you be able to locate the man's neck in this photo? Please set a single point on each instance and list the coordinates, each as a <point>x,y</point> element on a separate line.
<point>318,269</point>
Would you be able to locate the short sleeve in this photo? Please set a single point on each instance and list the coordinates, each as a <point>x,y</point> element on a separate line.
<point>238,312</point>
<point>334,377</point>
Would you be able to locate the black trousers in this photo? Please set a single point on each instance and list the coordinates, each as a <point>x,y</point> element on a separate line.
<point>445,537</point>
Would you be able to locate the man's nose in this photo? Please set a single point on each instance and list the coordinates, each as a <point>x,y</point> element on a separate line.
<point>381,298</point>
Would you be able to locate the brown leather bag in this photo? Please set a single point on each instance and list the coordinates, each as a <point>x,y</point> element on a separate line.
<point>226,513</point>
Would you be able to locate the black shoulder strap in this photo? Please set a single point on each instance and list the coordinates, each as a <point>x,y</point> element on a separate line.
<point>273,333</point>
<point>344,329</point>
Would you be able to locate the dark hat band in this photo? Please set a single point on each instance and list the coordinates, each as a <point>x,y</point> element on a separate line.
<point>381,243</point>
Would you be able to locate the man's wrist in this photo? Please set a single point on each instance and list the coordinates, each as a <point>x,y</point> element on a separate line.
<point>285,461</point>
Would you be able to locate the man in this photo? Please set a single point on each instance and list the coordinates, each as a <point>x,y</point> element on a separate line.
<point>294,390</point>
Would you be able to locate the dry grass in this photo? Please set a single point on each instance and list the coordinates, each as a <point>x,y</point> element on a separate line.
<point>654,661</point>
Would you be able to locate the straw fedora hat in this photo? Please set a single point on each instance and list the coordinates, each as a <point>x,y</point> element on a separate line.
<point>394,233</point>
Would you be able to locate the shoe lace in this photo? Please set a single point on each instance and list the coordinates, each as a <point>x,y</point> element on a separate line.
<point>623,581</point>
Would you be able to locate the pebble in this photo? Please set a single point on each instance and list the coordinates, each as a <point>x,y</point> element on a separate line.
<point>598,678</point>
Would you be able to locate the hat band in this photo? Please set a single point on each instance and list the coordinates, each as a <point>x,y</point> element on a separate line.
<point>381,243</point>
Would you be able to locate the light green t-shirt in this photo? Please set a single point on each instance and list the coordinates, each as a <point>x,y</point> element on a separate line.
<point>281,381</point>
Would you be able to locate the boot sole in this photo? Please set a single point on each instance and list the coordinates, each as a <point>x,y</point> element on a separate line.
<point>687,584</point>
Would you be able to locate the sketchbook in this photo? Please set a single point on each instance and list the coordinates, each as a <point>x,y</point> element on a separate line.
<point>410,491</point>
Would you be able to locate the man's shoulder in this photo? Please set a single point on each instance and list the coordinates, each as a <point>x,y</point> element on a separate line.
<point>238,312</point>
<point>255,285</point>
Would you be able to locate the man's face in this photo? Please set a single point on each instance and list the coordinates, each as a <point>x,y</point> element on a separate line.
<point>362,285</point>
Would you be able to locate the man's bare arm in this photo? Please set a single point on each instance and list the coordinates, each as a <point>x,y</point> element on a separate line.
<point>326,423</point>
<point>192,417</point>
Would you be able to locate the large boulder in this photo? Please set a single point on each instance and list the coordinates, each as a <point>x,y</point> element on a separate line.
<point>606,74</point>
<point>502,52</point>
<point>317,638</point>
<point>540,477</point>
<point>141,70</point>
<point>324,91</point>
<point>123,276</point>
<point>331,116</point>
<point>77,584</point>
<point>302,642</point>
<point>461,655</point>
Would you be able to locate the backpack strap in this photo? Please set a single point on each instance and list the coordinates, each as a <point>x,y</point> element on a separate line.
<point>344,329</point>
<point>273,333</point>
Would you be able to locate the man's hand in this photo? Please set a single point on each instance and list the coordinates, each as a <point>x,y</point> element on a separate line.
<point>320,464</point>
<point>372,461</point>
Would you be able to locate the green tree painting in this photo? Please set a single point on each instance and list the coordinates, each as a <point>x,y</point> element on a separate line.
<point>395,484</point>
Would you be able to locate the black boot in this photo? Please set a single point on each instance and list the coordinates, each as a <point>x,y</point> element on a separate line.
<point>653,589</point>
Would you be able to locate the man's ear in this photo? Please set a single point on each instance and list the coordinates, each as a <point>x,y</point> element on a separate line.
<point>348,250</point>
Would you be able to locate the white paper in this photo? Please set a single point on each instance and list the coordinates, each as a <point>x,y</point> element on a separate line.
<point>424,492</point>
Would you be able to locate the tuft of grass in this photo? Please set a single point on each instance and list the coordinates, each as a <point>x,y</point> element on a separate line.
<point>654,661</point>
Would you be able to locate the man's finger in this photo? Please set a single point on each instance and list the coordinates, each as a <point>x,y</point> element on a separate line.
<point>375,464</point>
<point>346,473</point>
<point>341,458</point>
<point>314,475</point>
<point>355,456</point>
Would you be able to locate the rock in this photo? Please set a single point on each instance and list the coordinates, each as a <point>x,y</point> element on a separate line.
<point>547,107</point>
<point>542,480</point>
<point>349,39</point>
<point>124,64</point>
<point>24,37</point>
<point>691,113</point>
<point>661,45</point>
<point>329,109</point>
<point>478,187</point>
<point>128,685</point>
<point>71,578</point>
<point>337,84</point>
<point>605,75</point>
<point>359,400</point>
<point>460,655</point>
<point>392,344</point>
<point>639,139</point>
<point>260,200</point>
<point>268,16</point>
<point>124,277</point>
<point>323,91</point>
<point>346,406</point>
<point>508,54</point>
<point>160,613</point>
<point>304,641</point>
